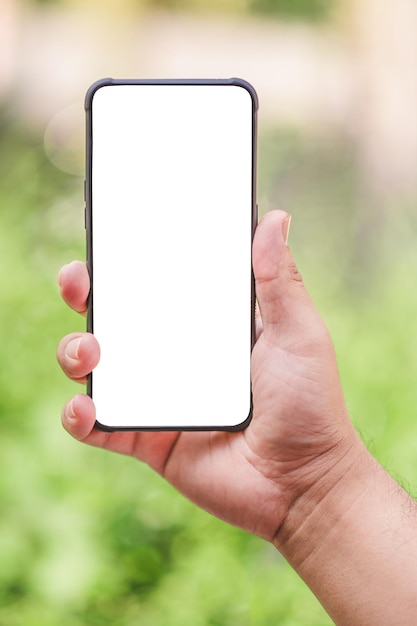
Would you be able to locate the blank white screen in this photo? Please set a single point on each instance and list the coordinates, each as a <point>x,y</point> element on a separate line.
<point>171,246</point>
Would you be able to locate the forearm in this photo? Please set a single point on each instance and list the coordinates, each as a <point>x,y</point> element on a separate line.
<point>356,546</point>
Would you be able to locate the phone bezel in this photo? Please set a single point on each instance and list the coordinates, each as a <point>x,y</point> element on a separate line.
<point>105,82</point>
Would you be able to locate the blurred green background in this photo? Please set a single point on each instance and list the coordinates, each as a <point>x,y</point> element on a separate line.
<point>91,538</point>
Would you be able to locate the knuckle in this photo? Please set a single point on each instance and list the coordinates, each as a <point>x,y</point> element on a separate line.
<point>294,273</point>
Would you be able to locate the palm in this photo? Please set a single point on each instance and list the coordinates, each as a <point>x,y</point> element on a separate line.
<point>222,471</point>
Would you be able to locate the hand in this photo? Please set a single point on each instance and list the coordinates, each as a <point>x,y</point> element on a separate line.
<point>298,475</point>
<point>300,428</point>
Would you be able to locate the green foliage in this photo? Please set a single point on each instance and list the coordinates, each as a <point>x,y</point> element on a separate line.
<point>38,228</point>
<point>301,10</point>
<point>312,10</point>
<point>93,539</point>
<point>304,10</point>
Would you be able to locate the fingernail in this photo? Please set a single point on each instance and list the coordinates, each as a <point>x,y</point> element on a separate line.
<point>73,347</point>
<point>286,228</point>
<point>69,413</point>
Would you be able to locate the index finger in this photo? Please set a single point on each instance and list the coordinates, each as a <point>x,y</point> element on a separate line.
<point>74,282</point>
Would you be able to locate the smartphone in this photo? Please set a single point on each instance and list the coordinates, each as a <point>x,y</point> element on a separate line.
<point>170,216</point>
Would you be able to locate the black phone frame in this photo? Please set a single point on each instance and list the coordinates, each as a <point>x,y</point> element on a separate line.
<point>88,221</point>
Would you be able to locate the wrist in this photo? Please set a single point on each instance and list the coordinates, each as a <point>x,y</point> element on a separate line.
<point>352,537</point>
<point>317,510</point>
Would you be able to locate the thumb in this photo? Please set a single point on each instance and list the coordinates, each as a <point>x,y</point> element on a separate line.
<point>286,308</point>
